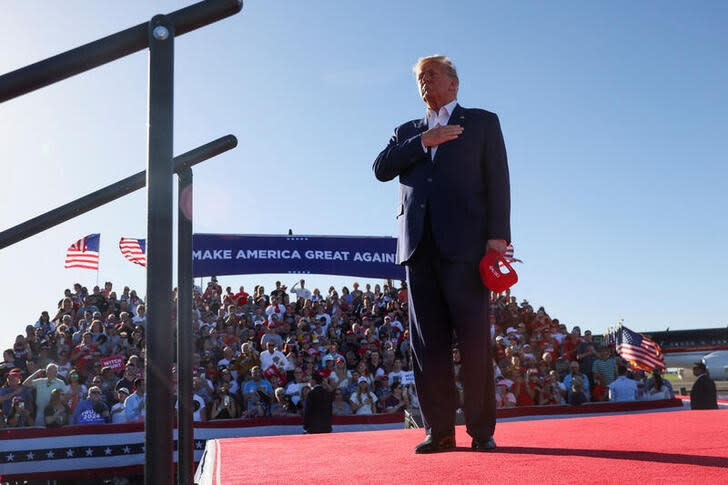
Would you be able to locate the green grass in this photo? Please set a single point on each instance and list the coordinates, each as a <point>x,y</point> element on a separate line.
<point>672,377</point>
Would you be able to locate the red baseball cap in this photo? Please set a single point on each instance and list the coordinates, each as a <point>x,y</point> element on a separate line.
<point>491,275</point>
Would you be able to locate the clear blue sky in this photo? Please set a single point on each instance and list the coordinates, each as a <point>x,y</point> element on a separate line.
<point>615,120</point>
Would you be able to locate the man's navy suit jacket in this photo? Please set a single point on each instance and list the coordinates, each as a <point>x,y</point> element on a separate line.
<point>466,186</point>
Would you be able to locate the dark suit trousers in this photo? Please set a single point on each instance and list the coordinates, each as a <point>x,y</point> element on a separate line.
<point>446,298</point>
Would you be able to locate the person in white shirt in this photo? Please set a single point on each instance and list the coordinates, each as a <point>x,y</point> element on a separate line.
<point>118,413</point>
<point>141,316</point>
<point>134,404</point>
<point>363,400</point>
<point>301,293</point>
<point>273,356</point>
<point>561,334</point>
<point>623,388</point>
<point>228,356</point>
<point>274,307</point>
<point>199,406</point>
<point>397,374</point>
<point>324,324</point>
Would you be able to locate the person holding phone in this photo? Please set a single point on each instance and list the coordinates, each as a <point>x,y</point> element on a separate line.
<point>57,413</point>
<point>19,416</point>
<point>224,406</point>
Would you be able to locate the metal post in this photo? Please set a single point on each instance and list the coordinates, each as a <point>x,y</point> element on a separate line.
<point>185,426</point>
<point>110,193</point>
<point>112,47</point>
<point>158,422</point>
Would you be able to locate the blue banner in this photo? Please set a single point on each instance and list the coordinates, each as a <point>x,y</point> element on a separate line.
<point>223,254</point>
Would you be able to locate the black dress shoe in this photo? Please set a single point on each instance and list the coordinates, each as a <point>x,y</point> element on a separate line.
<point>483,445</point>
<point>435,444</point>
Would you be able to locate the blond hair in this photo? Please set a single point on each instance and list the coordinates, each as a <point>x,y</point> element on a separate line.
<point>443,61</point>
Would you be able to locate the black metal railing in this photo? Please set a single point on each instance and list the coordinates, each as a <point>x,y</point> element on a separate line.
<point>158,35</point>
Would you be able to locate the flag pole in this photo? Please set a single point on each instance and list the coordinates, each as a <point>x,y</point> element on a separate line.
<point>98,266</point>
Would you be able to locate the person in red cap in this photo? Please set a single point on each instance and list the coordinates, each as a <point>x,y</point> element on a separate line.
<point>454,206</point>
<point>14,388</point>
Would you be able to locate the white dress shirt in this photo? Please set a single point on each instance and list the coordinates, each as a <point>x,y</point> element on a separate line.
<point>442,118</point>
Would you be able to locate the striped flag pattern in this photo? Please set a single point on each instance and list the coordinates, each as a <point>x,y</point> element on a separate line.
<point>640,351</point>
<point>84,253</point>
<point>508,255</point>
<point>134,250</point>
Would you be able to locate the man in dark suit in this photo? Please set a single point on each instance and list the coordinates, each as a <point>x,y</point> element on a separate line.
<point>454,205</point>
<point>703,395</point>
<point>317,412</point>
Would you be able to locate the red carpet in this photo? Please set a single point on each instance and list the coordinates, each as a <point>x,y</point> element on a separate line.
<point>675,447</point>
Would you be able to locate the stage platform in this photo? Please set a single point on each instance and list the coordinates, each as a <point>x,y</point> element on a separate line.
<point>650,447</point>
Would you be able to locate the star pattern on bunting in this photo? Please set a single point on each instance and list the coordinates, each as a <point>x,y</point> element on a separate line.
<point>100,451</point>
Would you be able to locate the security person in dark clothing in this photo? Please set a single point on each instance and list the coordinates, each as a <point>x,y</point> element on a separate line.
<point>703,394</point>
<point>317,412</point>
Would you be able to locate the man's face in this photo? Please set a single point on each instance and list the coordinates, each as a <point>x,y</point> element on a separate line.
<point>435,86</point>
<point>575,369</point>
<point>95,395</point>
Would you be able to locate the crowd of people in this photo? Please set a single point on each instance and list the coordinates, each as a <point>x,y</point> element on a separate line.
<point>257,354</point>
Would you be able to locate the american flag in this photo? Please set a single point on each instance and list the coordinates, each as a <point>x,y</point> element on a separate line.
<point>134,250</point>
<point>508,255</point>
<point>101,450</point>
<point>84,253</point>
<point>640,351</point>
